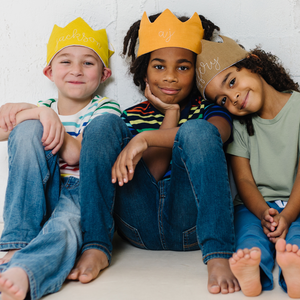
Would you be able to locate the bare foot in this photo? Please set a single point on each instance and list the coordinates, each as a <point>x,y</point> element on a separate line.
<point>220,277</point>
<point>14,284</point>
<point>288,258</point>
<point>7,257</point>
<point>244,264</point>
<point>88,267</point>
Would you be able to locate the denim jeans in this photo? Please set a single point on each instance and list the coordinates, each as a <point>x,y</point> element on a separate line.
<point>191,210</point>
<point>33,186</point>
<point>249,233</point>
<point>49,246</point>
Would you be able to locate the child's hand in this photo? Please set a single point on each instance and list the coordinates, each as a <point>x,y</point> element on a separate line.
<point>54,131</point>
<point>8,114</point>
<point>281,229</point>
<point>123,168</point>
<point>157,103</point>
<point>268,221</point>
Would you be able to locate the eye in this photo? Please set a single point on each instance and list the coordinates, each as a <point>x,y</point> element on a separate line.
<point>65,62</point>
<point>159,67</point>
<point>183,68</point>
<point>232,82</point>
<point>223,101</point>
<point>88,63</point>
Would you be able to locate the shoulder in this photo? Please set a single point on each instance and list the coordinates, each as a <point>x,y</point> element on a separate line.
<point>49,102</point>
<point>102,105</point>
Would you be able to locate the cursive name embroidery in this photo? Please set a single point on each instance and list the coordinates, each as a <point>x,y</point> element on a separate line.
<point>166,35</point>
<point>80,37</point>
<point>203,67</point>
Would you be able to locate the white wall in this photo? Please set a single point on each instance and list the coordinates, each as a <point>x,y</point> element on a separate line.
<point>25,27</point>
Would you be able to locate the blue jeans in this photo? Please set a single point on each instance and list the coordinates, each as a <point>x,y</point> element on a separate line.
<point>191,210</point>
<point>49,245</point>
<point>249,233</point>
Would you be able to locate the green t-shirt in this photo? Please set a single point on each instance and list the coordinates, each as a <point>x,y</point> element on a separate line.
<point>273,150</point>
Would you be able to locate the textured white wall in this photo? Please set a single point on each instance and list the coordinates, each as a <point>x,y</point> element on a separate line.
<point>25,27</point>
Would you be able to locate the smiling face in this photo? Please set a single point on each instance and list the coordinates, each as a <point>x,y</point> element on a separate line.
<point>240,92</point>
<point>170,74</point>
<point>77,72</point>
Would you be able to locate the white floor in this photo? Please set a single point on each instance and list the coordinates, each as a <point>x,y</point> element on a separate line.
<point>137,274</point>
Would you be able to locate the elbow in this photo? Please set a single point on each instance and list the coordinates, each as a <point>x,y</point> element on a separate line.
<point>72,160</point>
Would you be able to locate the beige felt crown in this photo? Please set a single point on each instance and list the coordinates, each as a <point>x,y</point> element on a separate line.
<point>168,31</point>
<point>215,58</point>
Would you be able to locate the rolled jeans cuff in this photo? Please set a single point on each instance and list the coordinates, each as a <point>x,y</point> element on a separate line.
<point>97,247</point>
<point>12,246</point>
<point>213,255</point>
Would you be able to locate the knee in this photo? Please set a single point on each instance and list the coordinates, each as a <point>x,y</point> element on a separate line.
<point>27,132</point>
<point>199,133</point>
<point>103,123</point>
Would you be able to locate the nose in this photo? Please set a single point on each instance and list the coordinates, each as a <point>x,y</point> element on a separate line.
<point>234,98</point>
<point>76,69</point>
<point>170,76</point>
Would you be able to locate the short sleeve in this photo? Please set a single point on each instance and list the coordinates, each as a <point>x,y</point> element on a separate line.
<point>240,144</point>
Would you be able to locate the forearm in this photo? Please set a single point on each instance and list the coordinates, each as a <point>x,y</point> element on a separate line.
<point>246,186</point>
<point>252,198</point>
<point>28,114</point>
<point>70,150</point>
<point>158,158</point>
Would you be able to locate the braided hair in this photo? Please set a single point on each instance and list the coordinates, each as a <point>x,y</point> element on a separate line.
<point>139,65</point>
<point>269,67</point>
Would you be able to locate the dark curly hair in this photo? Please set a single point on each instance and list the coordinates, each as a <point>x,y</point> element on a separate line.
<point>138,66</point>
<point>269,67</point>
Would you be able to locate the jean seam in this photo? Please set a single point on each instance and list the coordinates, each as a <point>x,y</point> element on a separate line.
<point>95,244</point>
<point>160,216</point>
<point>32,282</point>
<point>135,231</point>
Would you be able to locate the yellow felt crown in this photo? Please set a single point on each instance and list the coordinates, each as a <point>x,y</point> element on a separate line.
<point>215,58</point>
<point>168,31</point>
<point>78,33</point>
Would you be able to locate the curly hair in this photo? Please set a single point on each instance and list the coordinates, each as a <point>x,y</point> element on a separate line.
<point>139,65</point>
<point>269,67</point>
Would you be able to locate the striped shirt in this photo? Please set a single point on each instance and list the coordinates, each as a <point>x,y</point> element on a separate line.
<point>144,116</point>
<point>74,124</point>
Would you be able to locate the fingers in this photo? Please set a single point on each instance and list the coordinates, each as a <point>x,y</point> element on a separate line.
<point>269,226</point>
<point>53,136</point>
<point>123,169</point>
<point>7,117</point>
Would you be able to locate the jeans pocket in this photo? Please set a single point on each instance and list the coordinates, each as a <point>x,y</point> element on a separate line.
<point>190,241</point>
<point>129,233</point>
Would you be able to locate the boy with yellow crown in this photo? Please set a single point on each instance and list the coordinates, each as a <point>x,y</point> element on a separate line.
<point>42,228</point>
<point>160,173</point>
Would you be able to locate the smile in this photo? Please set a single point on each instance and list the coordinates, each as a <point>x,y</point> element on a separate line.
<point>245,101</point>
<point>76,82</point>
<point>169,91</point>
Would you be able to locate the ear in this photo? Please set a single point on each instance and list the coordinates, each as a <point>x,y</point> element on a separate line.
<point>106,73</point>
<point>48,72</point>
<point>146,79</point>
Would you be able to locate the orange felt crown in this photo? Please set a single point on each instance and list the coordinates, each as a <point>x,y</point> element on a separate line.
<point>168,31</point>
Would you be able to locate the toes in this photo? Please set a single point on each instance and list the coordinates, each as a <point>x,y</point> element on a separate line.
<point>224,287</point>
<point>74,275</point>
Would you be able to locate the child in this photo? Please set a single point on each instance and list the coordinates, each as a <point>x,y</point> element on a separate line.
<point>40,219</point>
<point>264,159</point>
<point>158,205</point>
